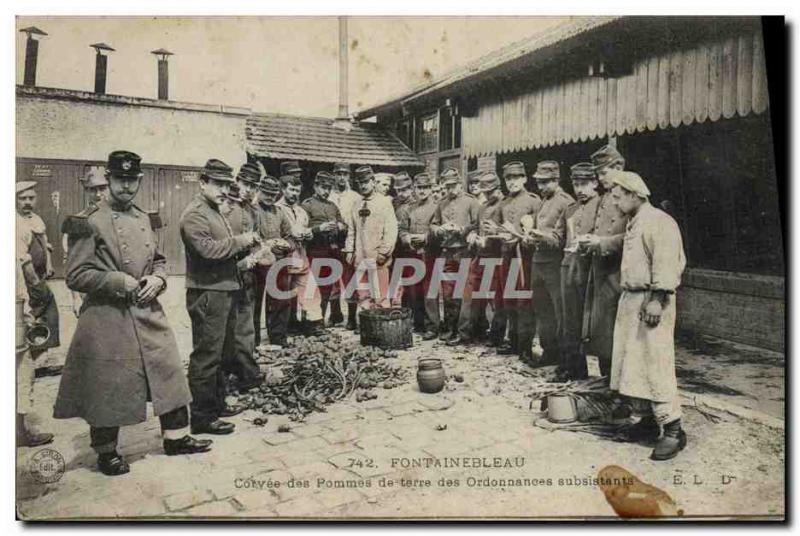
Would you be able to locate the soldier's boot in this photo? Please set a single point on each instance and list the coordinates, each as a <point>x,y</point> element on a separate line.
<point>314,328</point>
<point>27,438</point>
<point>336,312</point>
<point>112,464</point>
<point>671,442</point>
<point>186,445</point>
<point>352,309</point>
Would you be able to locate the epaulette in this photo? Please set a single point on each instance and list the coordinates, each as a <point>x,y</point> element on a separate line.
<point>77,225</point>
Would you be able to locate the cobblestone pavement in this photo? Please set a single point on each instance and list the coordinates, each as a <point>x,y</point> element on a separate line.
<point>362,460</point>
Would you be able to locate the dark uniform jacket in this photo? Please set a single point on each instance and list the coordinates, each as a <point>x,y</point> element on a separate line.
<point>513,208</point>
<point>463,211</point>
<point>415,218</point>
<point>323,211</point>
<point>610,226</point>
<point>489,211</point>
<point>120,352</point>
<point>580,219</point>
<point>551,219</point>
<point>211,247</point>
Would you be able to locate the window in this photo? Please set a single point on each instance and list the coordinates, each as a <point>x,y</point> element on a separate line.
<point>404,132</point>
<point>449,129</point>
<point>429,134</point>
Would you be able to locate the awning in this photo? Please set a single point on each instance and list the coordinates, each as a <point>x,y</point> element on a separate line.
<point>318,140</point>
<point>720,78</point>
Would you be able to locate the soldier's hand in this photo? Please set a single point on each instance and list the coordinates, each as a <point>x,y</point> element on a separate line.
<point>651,314</point>
<point>130,283</point>
<point>150,286</point>
<point>589,241</point>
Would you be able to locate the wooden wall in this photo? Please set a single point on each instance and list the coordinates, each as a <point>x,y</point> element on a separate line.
<point>719,78</point>
<point>166,189</point>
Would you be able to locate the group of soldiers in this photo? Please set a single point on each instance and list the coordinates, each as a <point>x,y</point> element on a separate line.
<point>556,266</point>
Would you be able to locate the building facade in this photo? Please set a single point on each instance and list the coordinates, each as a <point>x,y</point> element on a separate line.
<point>684,100</point>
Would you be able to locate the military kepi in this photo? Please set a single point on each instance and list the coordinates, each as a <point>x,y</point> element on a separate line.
<point>547,170</point>
<point>364,173</point>
<point>124,164</point>
<point>450,176</point>
<point>423,179</point>
<point>341,167</point>
<point>323,178</point>
<point>402,180</point>
<point>582,171</point>
<point>93,179</point>
<point>489,181</point>
<point>269,184</point>
<point>605,156</point>
<point>217,170</point>
<point>514,169</point>
<point>249,173</point>
<point>290,167</point>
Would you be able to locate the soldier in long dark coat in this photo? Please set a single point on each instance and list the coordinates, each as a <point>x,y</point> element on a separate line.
<point>123,352</point>
<point>575,268</point>
<point>605,242</point>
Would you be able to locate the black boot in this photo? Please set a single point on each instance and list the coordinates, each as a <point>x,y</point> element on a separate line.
<point>671,442</point>
<point>186,445</point>
<point>112,464</point>
<point>26,438</point>
<point>314,328</point>
<point>352,309</point>
<point>336,317</point>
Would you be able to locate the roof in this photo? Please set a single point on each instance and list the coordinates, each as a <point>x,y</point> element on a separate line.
<point>318,140</point>
<point>523,49</point>
<point>39,92</point>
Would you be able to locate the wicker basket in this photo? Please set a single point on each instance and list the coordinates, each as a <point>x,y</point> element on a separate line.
<point>388,329</point>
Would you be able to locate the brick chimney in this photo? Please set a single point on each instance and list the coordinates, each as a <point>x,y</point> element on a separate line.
<point>101,66</point>
<point>163,72</point>
<point>31,53</point>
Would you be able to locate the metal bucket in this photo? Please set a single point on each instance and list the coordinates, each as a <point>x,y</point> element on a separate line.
<point>561,409</point>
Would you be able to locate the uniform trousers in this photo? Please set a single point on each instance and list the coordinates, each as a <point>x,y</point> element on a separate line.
<point>104,438</point>
<point>278,309</point>
<point>574,282</point>
<point>212,314</point>
<point>546,287</point>
<point>517,312</point>
<point>237,355</point>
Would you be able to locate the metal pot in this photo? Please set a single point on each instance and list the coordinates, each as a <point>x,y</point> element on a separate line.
<point>561,409</point>
<point>37,335</point>
<point>430,375</point>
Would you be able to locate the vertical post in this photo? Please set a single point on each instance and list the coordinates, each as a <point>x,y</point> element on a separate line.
<point>343,66</point>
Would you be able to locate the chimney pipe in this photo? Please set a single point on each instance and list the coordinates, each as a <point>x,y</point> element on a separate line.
<point>31,53</point>
<point>163,73</point>
<point>101,66</point>
<point>343,64</point>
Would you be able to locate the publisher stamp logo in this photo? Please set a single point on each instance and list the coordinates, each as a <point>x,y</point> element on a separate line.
<point>47,466</point>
